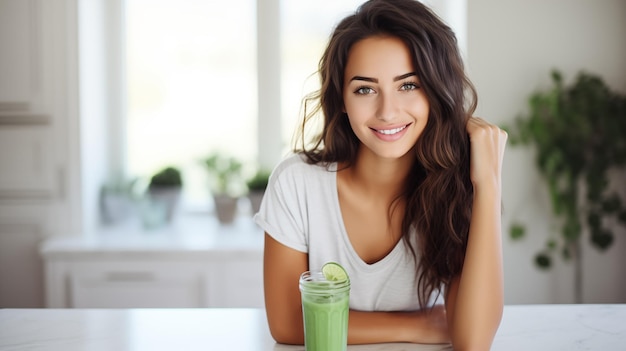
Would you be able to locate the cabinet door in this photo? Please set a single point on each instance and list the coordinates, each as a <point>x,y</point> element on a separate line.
<point>236,284</point>
<point>20,286</point>
<point>28,137</point>
<point>39,139</point>
<point>135,285</point>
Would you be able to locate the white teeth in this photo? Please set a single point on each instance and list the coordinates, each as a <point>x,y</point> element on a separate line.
<point>390,131</point>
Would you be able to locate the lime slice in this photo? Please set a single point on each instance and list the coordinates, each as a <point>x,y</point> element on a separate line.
<point>334,272</point>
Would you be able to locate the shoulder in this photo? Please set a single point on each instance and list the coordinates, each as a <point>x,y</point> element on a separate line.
<point>296,168</point>
<point>291,161</point>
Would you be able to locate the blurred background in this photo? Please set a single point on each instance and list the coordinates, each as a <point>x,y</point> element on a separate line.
<point>125,124</point>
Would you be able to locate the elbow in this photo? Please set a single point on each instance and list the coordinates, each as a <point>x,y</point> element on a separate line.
<point>499,313</point>
<point>480,335</point>
<point>473,342</point>
<point>285,334</point>
<point>285,323</point>
<point>473,347</point>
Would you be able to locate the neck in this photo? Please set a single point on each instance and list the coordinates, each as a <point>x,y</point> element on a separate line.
<point>380,177</point>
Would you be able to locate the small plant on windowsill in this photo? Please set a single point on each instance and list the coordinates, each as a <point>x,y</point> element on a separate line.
<point>227,184</point>
<point>116,200</point>
<point>169,177</point>
<point>578,134</point>
<point>256,188</point>
<point>164,190</point>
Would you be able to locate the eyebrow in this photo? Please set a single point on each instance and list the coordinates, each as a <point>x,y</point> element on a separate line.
<point>375,80</point>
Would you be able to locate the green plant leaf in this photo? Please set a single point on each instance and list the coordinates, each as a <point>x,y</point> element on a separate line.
<point>543,261</point>
<point>602,239</point>
<point>259,180</point>
<point>167,177</point>
<point>611,204</point>
<point>571,229</point>
<point>517,231</point>
<point>225,172</point>
<point>593,220</point>
<point>577,132</point>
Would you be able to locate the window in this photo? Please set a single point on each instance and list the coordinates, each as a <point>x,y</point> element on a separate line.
<point>166,82</point>
<point>306,27</point>
<point>192,79</point>
<point>192,73</point>
<point>191,83</point>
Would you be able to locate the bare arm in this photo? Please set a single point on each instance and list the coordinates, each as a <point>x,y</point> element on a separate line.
<point>474,300</point>
<point>282,268</point>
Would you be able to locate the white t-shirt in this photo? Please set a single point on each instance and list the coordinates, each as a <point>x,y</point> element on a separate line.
<point>300,210</point>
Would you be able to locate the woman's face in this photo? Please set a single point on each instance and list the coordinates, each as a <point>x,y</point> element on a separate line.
<point>382,96</point>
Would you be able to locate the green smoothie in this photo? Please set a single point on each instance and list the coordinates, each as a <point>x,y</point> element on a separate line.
<point>325,306</point>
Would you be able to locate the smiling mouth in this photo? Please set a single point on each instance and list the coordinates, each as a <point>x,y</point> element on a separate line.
<point>391,131</point>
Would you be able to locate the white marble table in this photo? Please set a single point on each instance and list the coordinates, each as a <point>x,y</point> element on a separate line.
<point>524,327</point>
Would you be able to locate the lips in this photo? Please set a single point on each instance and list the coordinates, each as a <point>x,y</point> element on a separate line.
<point>391,131</point>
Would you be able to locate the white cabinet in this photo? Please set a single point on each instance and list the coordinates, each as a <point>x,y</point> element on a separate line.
<point>38,107</point>
<point>134,284</point>
<point>235,284</point>
<point>199,267</point>
<point>39,139</point>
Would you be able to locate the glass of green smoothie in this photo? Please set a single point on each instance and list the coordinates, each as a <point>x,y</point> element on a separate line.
<point>325,308</point>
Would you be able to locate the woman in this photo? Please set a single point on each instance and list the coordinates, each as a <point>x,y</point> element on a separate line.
<point>402,188</point>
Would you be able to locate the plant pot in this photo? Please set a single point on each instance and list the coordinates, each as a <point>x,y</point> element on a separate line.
<point>114,208</point>
<point>255,197</point>
<point>167,197</point>
<point>225,207</point>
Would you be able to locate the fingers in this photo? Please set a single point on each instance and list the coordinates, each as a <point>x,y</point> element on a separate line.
<point>488,142</point>
<point>479,128</point>
<point>477,122</point>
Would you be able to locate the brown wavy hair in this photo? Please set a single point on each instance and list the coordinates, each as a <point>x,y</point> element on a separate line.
<point>438,190</point>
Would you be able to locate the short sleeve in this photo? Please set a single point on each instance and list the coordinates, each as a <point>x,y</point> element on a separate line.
<point>282,214</point>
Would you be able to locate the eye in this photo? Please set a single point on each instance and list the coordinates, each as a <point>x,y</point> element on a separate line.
<point>409,86</point>
<point>364,91</point>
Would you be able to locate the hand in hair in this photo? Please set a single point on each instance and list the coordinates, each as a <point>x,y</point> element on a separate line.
<point>487,151</point>
<point>474,299</point>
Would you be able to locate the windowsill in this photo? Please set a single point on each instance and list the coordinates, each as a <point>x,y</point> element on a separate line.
<point>195,234</point>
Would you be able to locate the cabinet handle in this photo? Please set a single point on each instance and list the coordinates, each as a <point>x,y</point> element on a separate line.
<point>129,276</point>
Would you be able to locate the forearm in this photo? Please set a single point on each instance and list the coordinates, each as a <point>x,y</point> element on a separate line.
<point>477,303</point>
<point>416,327</point>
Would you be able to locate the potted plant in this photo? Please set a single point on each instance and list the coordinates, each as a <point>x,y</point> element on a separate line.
<point>164,190</point>
<point>226,184</point>
<point>578,134</point>
<point>116,199</point>
<point>256,188</point>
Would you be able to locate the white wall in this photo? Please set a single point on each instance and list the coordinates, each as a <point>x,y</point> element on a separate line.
<point>102,128</point>
<point>512,46</point>
<point>93,108</point>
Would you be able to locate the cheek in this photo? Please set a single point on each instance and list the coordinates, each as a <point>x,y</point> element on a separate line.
<point>358,110</point>
<point>352,111</point>
<point>423,111</point>
<point>357,119</point>
<point>420,107</point>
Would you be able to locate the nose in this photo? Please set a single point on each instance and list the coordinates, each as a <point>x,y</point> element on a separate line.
<point>387,107</point>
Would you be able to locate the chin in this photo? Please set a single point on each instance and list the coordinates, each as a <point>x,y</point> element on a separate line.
<point>392,154</point>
